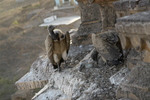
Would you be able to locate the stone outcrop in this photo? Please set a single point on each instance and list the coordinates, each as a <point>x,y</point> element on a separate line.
<point>90,18</point>
<point>128,7</point>
<point>135,33</point>
<point>136,84</point>
<point>96,15</point>
<point>70,84</point>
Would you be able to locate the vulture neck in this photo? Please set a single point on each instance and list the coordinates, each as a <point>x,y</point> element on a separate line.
<point>53,35</point>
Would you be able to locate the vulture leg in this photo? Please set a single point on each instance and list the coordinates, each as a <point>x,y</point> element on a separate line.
<point>106,62</point>
<point>64,56</point>
<point>59,69</point>
<point>58,62</point>
<point>65,64</point>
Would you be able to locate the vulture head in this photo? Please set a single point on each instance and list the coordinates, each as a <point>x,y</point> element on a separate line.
<point>55,36</point>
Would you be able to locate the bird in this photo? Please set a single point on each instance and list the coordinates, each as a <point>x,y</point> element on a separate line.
<point>57,46</point>
<point>94,55</point>
<point>108,46</point>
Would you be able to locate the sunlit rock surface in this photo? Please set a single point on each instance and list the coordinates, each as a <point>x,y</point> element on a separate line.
<point>70,84</point>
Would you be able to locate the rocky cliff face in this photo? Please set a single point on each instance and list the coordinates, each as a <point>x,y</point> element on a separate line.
<point>124,42</point>
<point>70,84</point>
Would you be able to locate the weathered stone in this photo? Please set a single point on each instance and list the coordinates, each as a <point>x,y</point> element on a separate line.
<point>133,28</point>
<point>90,18</point>
<point>139,17</point>
<point>81,39</point>
<point>95,16</point>
<point>136,42</point>
<point>143,3</point>
<point>86,29</point>
<point>51,94</point>
<point>135,32</point>
<point>126,95</point>
<point>133,58</point>
<point>125,41</point>
<point>125,99</point>
<point>97,1</point>
<point>125,5</point>
<point>119,76</point>
<point>117,5</point>
<point>146,56</point>
<point>128,7</point>
<point>108,16</point>
<point>136,84</point>
<point>71,84</point>
<point>133,3</point>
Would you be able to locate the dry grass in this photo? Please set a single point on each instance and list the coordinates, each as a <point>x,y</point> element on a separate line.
<point>19,47</point>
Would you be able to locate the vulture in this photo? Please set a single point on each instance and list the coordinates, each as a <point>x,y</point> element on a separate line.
<point>57,45</point>
<point>108,47</point>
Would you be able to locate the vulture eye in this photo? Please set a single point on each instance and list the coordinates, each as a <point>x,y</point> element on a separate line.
<point>62,36</point>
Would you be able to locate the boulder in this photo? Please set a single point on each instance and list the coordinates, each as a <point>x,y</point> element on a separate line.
<point>134,84</point>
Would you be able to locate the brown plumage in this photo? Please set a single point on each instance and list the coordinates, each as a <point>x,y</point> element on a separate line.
<point>57,46</point>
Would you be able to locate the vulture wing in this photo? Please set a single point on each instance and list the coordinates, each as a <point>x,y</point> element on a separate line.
<point>68,40</point>
<point>49,48</point>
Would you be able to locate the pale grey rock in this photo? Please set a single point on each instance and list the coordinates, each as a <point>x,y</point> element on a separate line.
<point>124,5</point>
<point>134,84</point>
<point>119,76</point>
<point>69,84</point>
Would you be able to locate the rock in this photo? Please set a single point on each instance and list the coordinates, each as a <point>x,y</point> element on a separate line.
<point>78,39</point>
<point>133,58</point>
<point>128,7</point>
<point>118,77</point>
<point>69,84</point>
<point>51,94</point>
<point>135,84</point>
<point>108,16</point>
<point>90,18</point>
<point>134,33</point>
<point>125,99</point>
<point>143,3</point>
<point>146,56</point>
<point>89,63</point>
